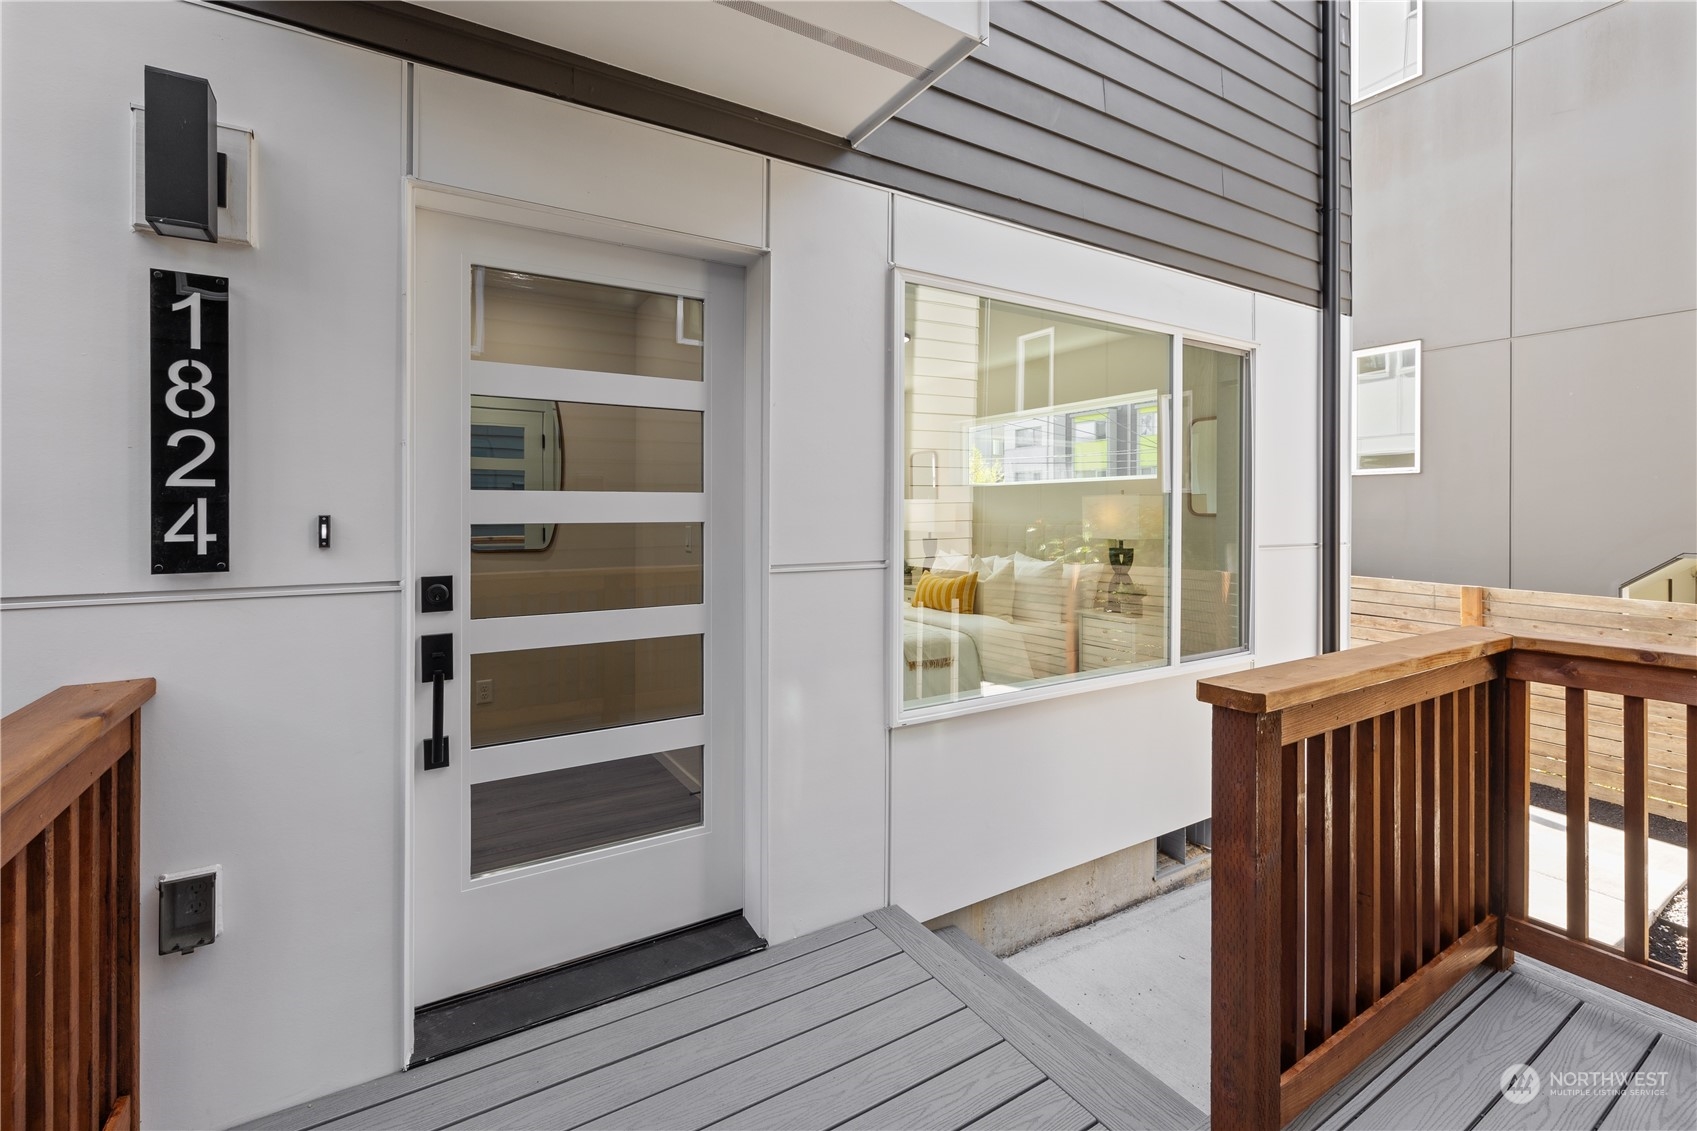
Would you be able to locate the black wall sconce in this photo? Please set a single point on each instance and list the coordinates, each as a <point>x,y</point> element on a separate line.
<point>181,156</point>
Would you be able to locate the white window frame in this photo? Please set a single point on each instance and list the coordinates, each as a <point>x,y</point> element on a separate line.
<point>1355,467</point>
<point>1417,12</point>
<point>900,714</point>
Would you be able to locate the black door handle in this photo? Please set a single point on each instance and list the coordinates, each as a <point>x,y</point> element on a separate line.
<point>436,666</point>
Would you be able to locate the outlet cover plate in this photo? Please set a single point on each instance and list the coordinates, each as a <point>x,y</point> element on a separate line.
<point>182,927</point>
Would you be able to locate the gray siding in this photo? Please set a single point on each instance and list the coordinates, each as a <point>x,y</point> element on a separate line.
<point>1527,213</point>
<point>1187,134</point>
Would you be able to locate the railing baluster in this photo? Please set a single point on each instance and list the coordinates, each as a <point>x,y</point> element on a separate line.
<point>109,941</point>
<point>1366,864</point>
<point>88,956</point>
<point>1293,1042</point>
<point>1516,791</point>
<point>1636,770</point>
<point>1389,963</point>
<point>1446,822</point>
<point>1314,888</point>
<point>1340,888</point>
<point>1576,778</point>
<point>1465,912</point>
<point>64,965</point>
<point>1690,840</point>
<point>1481,803</point>
<point>1408,836</point>
<point>14,967</point>
<point>126,1004</point>
<point>1429,944</point>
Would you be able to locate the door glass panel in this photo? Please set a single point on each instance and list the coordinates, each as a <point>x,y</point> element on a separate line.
<point>542,816</point>
<point>537,568</point>
<point>536,320</point>
<point>539,692</point>
<point>519,444</point>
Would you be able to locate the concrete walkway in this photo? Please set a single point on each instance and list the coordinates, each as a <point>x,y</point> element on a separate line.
<point>1139,978</point>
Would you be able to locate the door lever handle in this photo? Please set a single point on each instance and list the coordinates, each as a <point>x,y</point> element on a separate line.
<point>436,666</point>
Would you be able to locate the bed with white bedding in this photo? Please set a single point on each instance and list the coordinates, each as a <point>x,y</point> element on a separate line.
<point>950,654</point>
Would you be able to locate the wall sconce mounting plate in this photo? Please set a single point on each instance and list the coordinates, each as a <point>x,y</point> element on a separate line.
<point>235,214</point>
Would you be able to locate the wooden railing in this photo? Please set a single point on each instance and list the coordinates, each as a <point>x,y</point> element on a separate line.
<point>69,902</point>
<point>1371,847</point>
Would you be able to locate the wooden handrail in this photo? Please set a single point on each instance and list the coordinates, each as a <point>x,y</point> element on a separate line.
<point>69,907</point>
<point>1371,812</point>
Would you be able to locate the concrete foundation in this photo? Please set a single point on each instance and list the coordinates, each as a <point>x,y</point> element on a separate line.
<point>1014,920</point>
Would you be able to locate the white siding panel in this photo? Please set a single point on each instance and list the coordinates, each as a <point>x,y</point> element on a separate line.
<point>506,142</point>
<point>825,765</point>
<point>983,803</point>
<point>272,749</point>
<point>314,326</point>
<point>829,361</point>
<point>1286,426</point>
<point>1287,604</point>
<point>958,245</point>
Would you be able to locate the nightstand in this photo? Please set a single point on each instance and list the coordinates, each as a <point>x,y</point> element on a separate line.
<point>1114,640</point>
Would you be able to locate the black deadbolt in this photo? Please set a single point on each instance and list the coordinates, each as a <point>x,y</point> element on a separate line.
<point>436,594</point>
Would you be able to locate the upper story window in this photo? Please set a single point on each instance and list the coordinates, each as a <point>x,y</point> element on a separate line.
<point>1387,410</point>
<point>1386,40</point>
<point>1073,497</point>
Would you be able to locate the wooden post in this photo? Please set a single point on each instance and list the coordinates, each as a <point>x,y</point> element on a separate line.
<point>1247,958</point>
<point>1472,605</point>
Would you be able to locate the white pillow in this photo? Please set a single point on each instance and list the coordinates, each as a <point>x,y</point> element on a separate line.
<point>1040,590</point>
<point>996,589</point>
<point>952,563</point>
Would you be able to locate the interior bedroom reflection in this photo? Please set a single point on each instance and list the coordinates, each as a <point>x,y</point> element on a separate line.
<point>1038,503</point>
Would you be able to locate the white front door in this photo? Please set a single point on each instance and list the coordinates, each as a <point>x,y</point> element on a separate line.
<point>575,471</point>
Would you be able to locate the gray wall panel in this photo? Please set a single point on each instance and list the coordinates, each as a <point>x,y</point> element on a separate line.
<point>1535,17</point>
<point>1604,468</point>
<point>1463,31</point>
<point>1449,523</point>
<point>1605,168</point>
<point>1432,193</point>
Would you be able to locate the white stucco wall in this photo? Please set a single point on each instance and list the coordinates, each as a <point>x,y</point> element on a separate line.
<point>271,747</point>
<point>278,746</point>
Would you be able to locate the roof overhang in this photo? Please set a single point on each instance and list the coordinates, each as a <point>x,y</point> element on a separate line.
<point>842,67</point>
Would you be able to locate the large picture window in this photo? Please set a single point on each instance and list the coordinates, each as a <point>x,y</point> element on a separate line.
<point>1387,410</point>
<point>1049,529</point>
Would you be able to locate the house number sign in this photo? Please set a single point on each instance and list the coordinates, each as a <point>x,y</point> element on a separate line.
<point>190,369</point>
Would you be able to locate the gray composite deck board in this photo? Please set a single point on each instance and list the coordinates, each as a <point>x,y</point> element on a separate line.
<point>1043,1108</point>
<point>1451,1076</point>
<point>955,1097</point>
<point>720,1094</point>
<point>465,1096</point>
<point>723,1092</point>
<point>1351,1094</point>
<point>316,1113</point>
<point>1593,1040</point>
<point>1670,1103</point>
<point>1115,1089</point>
<point>579,1100</point>
<point>874,1023</point>
<point>1454,1088</point>
<point>867,1081</point>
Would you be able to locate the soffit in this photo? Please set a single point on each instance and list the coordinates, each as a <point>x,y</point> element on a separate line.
<point>840,66</point>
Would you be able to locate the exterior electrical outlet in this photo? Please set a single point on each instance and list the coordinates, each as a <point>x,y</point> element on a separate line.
<point>189,911</point>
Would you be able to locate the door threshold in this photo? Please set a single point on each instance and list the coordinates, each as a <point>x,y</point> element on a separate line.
<point>459,1023</point>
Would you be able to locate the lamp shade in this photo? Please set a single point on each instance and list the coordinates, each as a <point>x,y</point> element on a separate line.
<point>1125,516</point>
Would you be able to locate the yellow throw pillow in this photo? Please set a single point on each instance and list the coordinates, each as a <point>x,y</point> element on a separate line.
<point>948,594</point>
